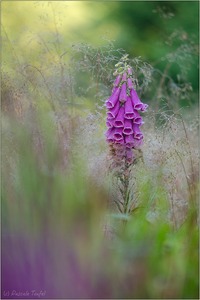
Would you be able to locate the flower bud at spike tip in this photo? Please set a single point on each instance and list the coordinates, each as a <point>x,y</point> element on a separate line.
<point>130,84</point>
<point>124,77</point>
<point>129,71</point>
<point>117,80</point>
<point>123,94</point>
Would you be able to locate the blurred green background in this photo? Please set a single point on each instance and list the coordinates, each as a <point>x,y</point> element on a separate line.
<point>151,29</point>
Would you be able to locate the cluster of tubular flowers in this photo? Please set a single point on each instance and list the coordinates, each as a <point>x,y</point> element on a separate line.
<point>123,118</point>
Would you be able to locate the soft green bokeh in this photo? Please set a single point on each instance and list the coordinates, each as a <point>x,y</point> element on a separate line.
<point>142,28</point>
<point>67,210</point>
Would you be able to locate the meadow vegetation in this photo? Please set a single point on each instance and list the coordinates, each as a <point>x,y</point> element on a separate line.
<point>63,227</point>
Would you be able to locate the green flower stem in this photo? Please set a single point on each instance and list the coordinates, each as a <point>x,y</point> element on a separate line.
<point>126,188</point>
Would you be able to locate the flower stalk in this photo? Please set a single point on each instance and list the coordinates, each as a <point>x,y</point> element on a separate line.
<point>123,123</point>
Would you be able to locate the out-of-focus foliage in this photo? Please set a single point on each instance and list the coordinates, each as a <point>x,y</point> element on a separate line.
<point>163,33</point>
<point>60,233</point>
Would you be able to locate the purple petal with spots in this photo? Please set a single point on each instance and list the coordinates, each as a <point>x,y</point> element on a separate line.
<point>109,123</point>
<point>129,111</point>
<point>128,127</point>
<point>110,135</point>
<point>110,140</point>
<point>119,121</point>
<point>112,113</point>
<point>120,141</point>
<point>110,132</point>
<point>110,103</point>
<point>137,118</point>
<point>130,141</point>
<point>136,132</point>
<point>137,104</point>
<point>118,136</point>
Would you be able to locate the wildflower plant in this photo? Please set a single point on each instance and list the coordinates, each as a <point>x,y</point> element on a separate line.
<point>123,124</point>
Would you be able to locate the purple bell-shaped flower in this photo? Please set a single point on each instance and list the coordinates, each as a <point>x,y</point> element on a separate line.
<point>123,118</point>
